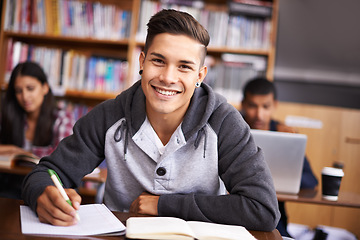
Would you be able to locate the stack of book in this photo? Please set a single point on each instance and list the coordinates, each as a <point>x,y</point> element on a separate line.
<point>257,8</point>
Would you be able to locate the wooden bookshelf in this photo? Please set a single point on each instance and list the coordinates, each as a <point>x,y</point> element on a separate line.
<point>126,48</point>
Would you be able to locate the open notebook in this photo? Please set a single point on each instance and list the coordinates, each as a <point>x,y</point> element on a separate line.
<point>95,219</point>
<point>284,154</point>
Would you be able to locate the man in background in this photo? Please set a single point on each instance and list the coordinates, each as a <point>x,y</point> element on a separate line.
<point>258,105</point>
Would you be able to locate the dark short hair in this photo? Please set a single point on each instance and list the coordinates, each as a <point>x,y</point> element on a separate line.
<point>260,86</point>
<point>176,22</point>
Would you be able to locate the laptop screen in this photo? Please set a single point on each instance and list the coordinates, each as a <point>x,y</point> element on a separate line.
<point>284,154</point>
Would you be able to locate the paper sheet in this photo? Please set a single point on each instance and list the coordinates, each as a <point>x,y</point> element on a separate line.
<point>95,219</point>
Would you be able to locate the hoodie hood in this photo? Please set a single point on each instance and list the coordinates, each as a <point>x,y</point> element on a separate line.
<point>202,105</point>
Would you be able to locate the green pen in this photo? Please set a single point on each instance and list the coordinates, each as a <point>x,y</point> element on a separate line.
<point>55,178</point>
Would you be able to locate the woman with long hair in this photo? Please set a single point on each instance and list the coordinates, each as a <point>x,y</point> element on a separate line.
<point>30,120</point>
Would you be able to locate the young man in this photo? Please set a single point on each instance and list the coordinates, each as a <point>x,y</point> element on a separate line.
<point>173,147</point>
<point>258,105</point>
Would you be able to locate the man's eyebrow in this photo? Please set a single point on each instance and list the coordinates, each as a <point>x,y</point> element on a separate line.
<point>157,55</point>
<point>163,57</point>
<point>187,62</point>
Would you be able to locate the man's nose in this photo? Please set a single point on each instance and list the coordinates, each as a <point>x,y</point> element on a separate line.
<point>168,74</point>
<point>259,113</point>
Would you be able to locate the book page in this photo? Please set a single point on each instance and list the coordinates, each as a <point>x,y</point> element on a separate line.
<point>206,230</point>
<point>95,219</point>
<point>22,159</point>
<point>5,160</point>
<point>157,228</point>
<point>25,160</point>
<point>27,157</point>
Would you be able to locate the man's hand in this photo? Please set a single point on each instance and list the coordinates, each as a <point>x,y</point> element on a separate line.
<point>53,209</point>
<point>146,203</point>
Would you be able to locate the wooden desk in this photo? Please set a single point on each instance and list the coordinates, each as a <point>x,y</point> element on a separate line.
<point>10,227</point>
<point>346,199</point>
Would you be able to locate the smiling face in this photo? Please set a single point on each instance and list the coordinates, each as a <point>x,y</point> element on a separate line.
<point>30,93</point>
<point>171,68</point>
<point>258,110</point>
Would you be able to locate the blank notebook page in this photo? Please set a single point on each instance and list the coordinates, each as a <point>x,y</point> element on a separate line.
<point>95,219</point>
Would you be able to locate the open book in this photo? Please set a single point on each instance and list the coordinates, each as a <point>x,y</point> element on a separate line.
<point>22,159</point>
<point>176,228</point>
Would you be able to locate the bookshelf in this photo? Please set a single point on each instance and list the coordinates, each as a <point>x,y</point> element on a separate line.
<point>79,35</point>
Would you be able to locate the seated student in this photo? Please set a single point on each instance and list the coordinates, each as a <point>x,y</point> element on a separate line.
<point>30,120</point>
<point>172,146</point>
<point>258,104</point>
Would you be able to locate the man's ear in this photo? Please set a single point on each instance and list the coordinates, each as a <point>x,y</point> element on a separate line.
<point>202,73</point>
<point>141,60</point>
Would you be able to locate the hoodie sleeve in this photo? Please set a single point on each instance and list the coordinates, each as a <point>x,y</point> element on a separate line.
<point>75,156</point>
<point>251,201</point>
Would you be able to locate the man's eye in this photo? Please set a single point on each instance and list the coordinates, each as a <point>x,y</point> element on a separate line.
<point>185,67</point>
<point>252,105</point>
<point>157,61</point>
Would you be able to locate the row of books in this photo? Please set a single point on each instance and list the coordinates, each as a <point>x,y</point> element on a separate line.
<point>225,28</point>
<point>250,33</point>
<point>68,18</point>
<point>229,75</point>
<point>70,69</point>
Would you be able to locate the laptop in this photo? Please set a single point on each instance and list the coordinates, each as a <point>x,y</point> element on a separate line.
<point>284,154</point>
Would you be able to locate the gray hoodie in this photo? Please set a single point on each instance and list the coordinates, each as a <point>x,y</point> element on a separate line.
<point>211,169</point>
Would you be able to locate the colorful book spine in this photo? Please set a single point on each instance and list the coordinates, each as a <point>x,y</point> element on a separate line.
<point>70,69</point>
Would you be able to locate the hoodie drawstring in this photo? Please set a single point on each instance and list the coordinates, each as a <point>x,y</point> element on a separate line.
<point>202,132</point>
<point>118,135</point>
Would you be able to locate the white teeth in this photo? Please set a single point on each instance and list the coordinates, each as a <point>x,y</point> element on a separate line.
<point>164,92</point>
